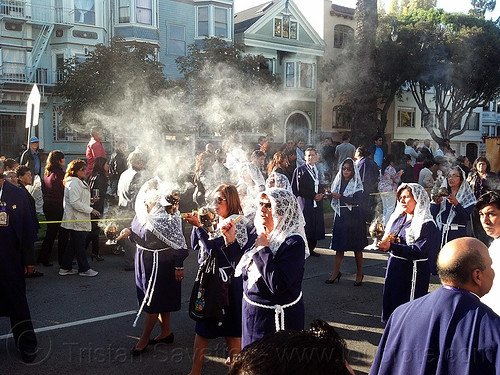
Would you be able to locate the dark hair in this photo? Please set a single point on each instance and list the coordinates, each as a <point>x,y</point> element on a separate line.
<point>73,167</point>
<point>462,266</point>
<point>363,151</point>
<point>401,189</point>
<point>261,138</point>
<point>428,163</point>
<point>21,170</point>
<point>309,148</point>
<point>489,198</point>
<point>407,157</point>
<point>53,162</point>
<point>346,136</point>
<point>351,163</point>
<point>318,350</point>
<point>376,137</point>
<point>388,159</point>
<point>409,142</point>
<point>10,163</point>
<point>99,163</point>
<point>232,198</point>
<point>484,160</point>
<point>220,155</point>
<point>460,172</point>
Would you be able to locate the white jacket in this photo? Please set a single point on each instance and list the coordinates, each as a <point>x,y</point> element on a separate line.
<point>77,205</point>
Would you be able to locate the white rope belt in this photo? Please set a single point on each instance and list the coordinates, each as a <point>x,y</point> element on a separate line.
<point>414,274</point>
<point>148,295</point>
<point>223,274</point>
<point>279,310</point>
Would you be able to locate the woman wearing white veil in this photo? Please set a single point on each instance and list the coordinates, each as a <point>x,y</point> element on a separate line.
<point>278,180</point>
<point>161,249</point>
<point>273,269</point>
<point>410,236</point>
<point>452,214</point>
<point>349,230</point>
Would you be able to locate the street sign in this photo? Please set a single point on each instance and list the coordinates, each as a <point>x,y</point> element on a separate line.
<point>33,108</point>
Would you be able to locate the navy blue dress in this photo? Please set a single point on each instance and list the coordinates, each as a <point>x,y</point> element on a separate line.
<point>280,284</point>
<point>462,217</point>
<point>398,277</point>
<point>449,331</point>
<point>227,257</point>
<point>351,222</point>
<point>167,292</point>
<point>303,189</point>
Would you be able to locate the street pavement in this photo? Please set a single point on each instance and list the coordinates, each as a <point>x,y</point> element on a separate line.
<point>84,324</point>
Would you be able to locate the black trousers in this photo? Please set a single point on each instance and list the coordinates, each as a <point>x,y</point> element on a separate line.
<point>53,212</point>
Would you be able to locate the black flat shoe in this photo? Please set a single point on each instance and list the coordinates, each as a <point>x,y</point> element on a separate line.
<point>136,352</point>
<point>166,340</point>
<point>331,281</point>
<point>361,282</point>
<point>314,254</point>
<point>34,274</point>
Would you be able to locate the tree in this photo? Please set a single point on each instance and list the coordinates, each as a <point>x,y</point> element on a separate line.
<point>224,83</point>
<point>106,76</point>
<point>480,7</point>
<point>457,65</point>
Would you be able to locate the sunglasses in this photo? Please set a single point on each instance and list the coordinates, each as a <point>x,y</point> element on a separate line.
<point>347,169</point>
<point>265,204</point>
<point>219,200</point>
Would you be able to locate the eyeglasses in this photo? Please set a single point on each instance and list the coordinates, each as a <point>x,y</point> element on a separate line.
<point>453,176</point>
<point>347,169</point>
<point>219,200</point>
<point>265,204</point>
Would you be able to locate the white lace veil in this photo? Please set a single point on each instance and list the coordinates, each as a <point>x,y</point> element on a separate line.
<point>465,197</point>
<point>421,215</point>
<point>280,181</point>
<point>354,185</point>
<point>287,217</point>
<point>166,227</point>
<point>240,228</point>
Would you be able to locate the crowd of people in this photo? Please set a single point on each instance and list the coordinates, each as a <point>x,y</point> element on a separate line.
<point>269,213</point>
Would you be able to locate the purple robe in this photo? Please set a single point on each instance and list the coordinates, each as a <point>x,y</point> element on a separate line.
<point>167,291</point>
<point>398,277</point>
<point>280,284</point>
<point>448,331</point>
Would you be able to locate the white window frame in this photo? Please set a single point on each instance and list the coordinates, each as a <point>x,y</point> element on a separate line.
<point>211,11</point>
<point>126,8</point>
<point>173,39</point>
<point>134,8</point>
<point>293,76</point>
<point>140,7</point>
<point>81,12</point>
<point>411,111</point>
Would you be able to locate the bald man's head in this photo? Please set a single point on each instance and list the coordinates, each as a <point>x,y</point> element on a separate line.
<point>466,264</point>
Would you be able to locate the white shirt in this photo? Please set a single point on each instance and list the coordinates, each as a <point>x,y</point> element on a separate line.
<point>492,298</point>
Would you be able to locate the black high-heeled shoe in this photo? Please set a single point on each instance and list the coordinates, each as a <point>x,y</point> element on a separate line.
<point>166,340</point>
<point>331,281</point>
<point>361,282</point>
<point>136,352</point>
<point>97,257</point>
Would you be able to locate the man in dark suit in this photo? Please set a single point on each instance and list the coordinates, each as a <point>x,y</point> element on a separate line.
<point>426,149</point>
<point>17,230</point>
<point>309,192</point>
<point>369,173</point>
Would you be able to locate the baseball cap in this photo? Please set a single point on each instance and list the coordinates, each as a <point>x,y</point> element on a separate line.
<point>34,139</point>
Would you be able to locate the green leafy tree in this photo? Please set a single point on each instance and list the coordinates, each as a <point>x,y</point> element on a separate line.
<point>480,7</point>
<point>106,76</point>
<point>456,63</point>
<point>221,76</point>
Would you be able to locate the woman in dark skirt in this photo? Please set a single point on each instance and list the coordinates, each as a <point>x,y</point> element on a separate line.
<point>410,236</point>
<point>273,269</point>
<point>161,249</point>
<point>229,251</point>
<point>349,231</point>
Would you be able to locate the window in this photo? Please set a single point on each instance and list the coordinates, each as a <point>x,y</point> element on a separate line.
<point>221,29</point>
<point>406,117</point>
<point>342,117</point>
<point>63,133</point>
<point>290,74</point>
<point>284,28</point>
<point>306,75</point>
<point>176,40</point>
<point>59,67</point>
<point>124,11</point>
<point>202,21</point>
<point>144,12</point>
<point>341,36</point>
<point>85,12</point>
<point>473,123</point>
<point>12,63</point>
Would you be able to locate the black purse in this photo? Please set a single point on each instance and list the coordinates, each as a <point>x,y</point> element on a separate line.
<point>206,302</point>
